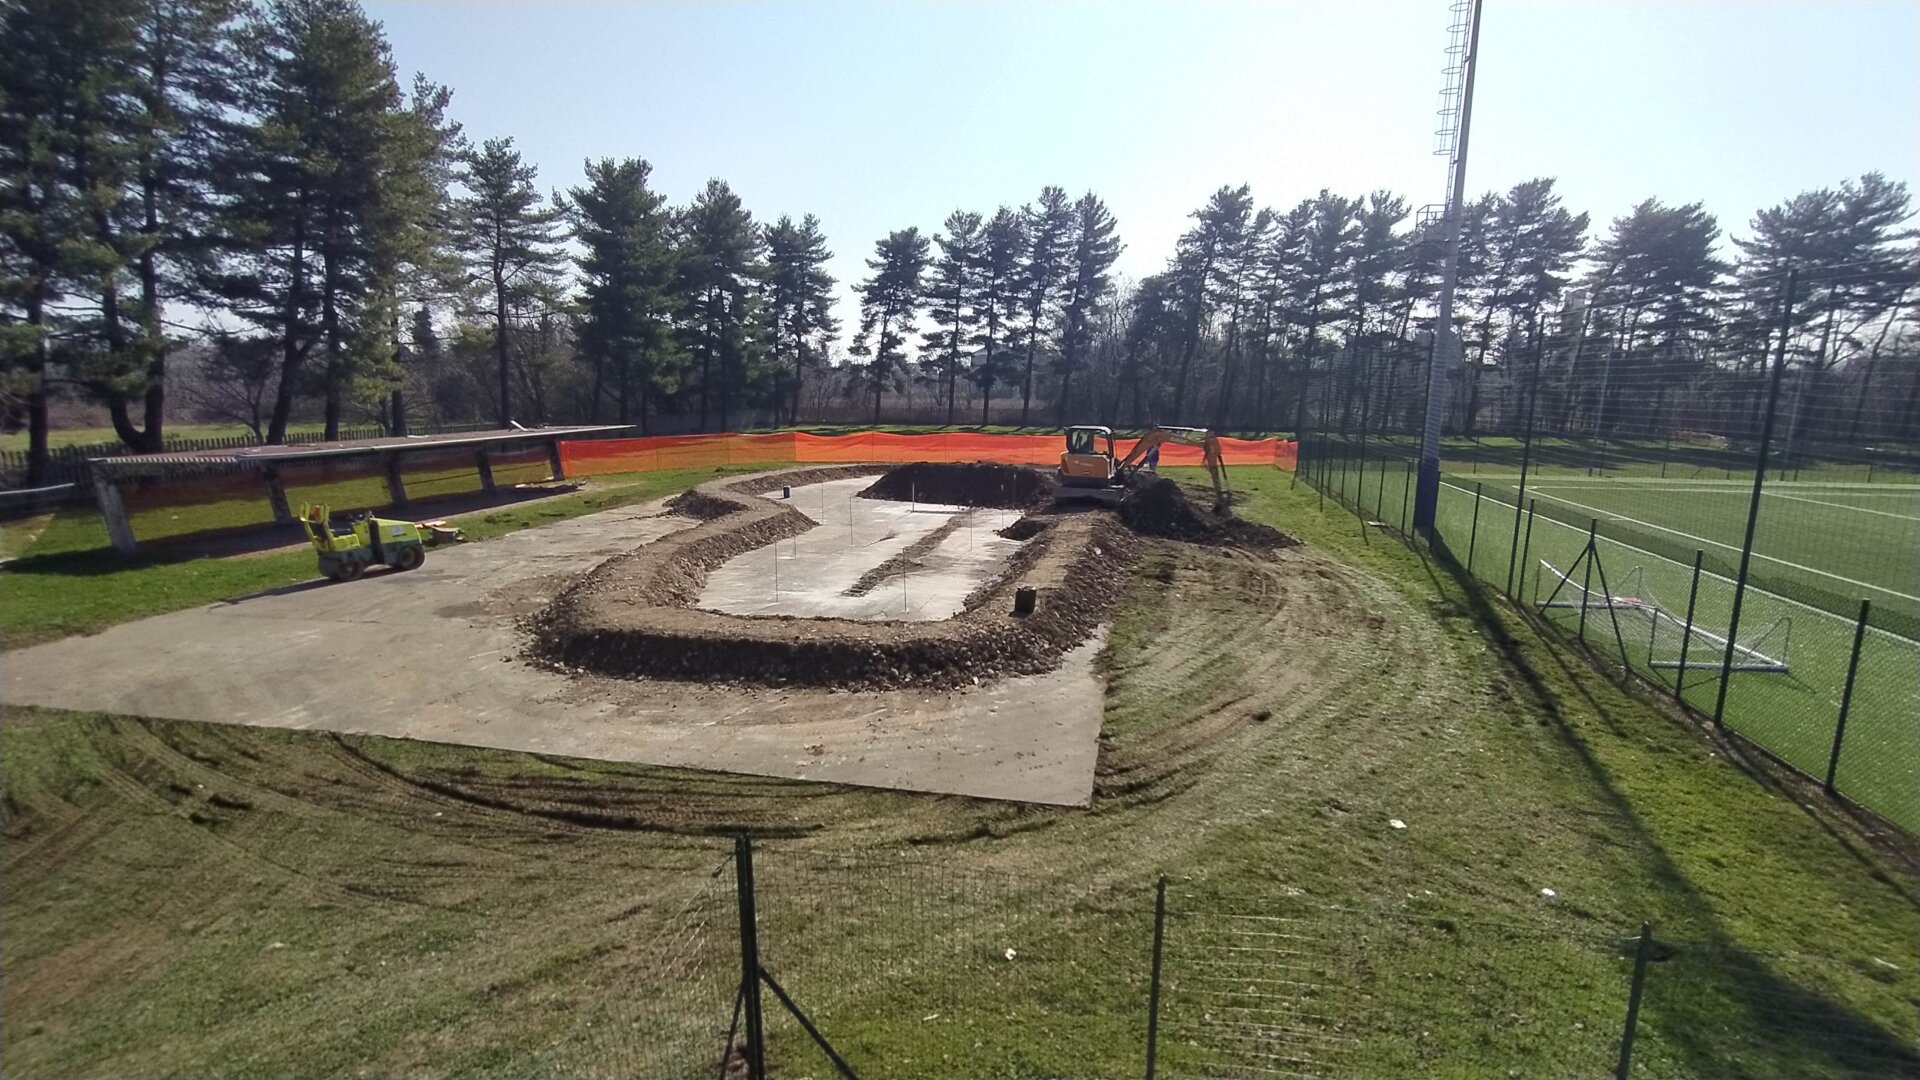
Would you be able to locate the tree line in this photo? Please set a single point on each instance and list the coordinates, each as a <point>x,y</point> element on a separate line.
<point>241,209</point>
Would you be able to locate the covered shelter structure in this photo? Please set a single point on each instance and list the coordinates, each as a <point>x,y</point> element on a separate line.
<point>257,485</point>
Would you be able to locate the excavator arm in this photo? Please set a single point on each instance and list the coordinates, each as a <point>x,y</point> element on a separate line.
<point>1209,449</point>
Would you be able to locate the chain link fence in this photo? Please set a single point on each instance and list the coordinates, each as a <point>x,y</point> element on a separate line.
<point>788,963</point>
<point>1730,511</point>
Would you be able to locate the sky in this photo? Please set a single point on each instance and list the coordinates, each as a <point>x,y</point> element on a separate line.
<point>877,116</point>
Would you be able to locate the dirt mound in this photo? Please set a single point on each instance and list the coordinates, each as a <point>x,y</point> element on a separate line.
<point>632,615</point>
<point>978,483</point>
<point>697,504</point>
<point>1160,507</point>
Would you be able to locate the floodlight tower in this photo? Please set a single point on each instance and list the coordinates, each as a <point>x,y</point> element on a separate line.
<point>1450,140</point>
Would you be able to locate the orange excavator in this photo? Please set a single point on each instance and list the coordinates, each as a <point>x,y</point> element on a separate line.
<point>1089,470</point>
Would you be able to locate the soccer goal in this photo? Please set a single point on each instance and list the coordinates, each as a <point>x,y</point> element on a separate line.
<point>1671,643</point>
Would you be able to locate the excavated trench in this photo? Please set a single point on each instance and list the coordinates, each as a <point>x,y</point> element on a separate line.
<point>633,615</point>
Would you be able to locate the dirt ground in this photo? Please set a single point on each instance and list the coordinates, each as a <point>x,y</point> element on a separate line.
<point>987,703</point>
<point>435,654</point>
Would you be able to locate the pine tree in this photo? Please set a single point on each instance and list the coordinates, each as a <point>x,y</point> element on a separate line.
<point>139,149</point>
<point>1003,248</point>
<point>628,281</point>
<point>1854,265</point>
<point>954,292</point>
<point>721,264</point>
<point>1153,335</point>
<point>1237,292</point>
<point>1049,225</point>
<point>799,300</point>
<point>315,176</point>
<point>416,264</point>
<point>510,242</point>
<point>1196,267</point>
<point>890,300</point>
<point>1093,247</point>
<point>66,113</point>
<point>1379,253</point>
<point>1653,277</point>
<point>1525,242</point>
<point>1850,246</point>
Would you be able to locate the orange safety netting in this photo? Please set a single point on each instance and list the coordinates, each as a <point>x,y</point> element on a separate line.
<point>592,457</point>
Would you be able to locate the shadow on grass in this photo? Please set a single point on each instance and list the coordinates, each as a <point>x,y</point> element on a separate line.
<point>1795,1030</point>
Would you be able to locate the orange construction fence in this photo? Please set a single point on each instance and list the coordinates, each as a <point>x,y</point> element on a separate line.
<point>591,457</point>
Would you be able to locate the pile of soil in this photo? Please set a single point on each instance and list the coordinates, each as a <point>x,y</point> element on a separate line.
<point>979,483</point>
<point>1156,506</point>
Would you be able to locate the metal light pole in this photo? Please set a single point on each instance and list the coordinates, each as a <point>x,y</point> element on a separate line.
<point>1447,352</point>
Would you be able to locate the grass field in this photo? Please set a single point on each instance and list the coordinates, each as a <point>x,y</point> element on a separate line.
<point>63,578</point>
<point>1841,541</point>
<point>195,899</point>
<point>88,436</point>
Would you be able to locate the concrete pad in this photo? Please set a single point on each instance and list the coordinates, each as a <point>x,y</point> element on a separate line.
<point>810,575</point>
<point>432,654</point>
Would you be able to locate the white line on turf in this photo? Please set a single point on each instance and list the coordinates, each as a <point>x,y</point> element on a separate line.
<point>1713,542</point>
<point>1746,492</point>
<point>1801,604</point>
<point>1744,483</point>
<point>1839,506</point>
<point>1729,547</point>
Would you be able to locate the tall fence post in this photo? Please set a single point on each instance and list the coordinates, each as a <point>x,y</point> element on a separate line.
<point>1153,988</point>
<point>1380,493</point>
<point>1753,505</point>
<point>1846,695</point>
<point>1473,534</point>
<point>1526,551</point>
<point>1686,632</point>
<point>1405,489</point>
<point>1526,451</point>
<point>756,1051</point>
<point>1360,480</point>
<point>1586,581</point>
<point>1641,951</point>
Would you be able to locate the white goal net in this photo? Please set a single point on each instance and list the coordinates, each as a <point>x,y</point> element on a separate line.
<point>1671,642</point>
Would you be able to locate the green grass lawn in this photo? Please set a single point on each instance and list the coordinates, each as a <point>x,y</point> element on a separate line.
<point>1793,715</point>
<point>88,436</point>
<point>64,579</point>
<point>197,899</point>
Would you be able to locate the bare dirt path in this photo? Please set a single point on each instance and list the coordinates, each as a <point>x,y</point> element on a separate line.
<point>433,654</point>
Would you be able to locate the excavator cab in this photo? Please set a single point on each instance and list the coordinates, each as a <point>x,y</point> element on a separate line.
<point>1088,460</point>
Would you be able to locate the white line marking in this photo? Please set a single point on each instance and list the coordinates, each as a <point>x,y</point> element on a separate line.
<point>1840,506</point>
<point>1742,483</point>
<point>1901,638</point>
<point>1729,547</point>
<point>1746,492</point>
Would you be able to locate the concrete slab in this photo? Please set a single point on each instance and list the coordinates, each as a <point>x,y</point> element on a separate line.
<point>431,654</point>
<point>814,574</point>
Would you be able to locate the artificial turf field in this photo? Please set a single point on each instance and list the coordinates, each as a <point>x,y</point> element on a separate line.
<point>1820,546</point>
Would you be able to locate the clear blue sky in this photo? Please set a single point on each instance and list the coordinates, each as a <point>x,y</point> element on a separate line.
<point>876,116</point>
